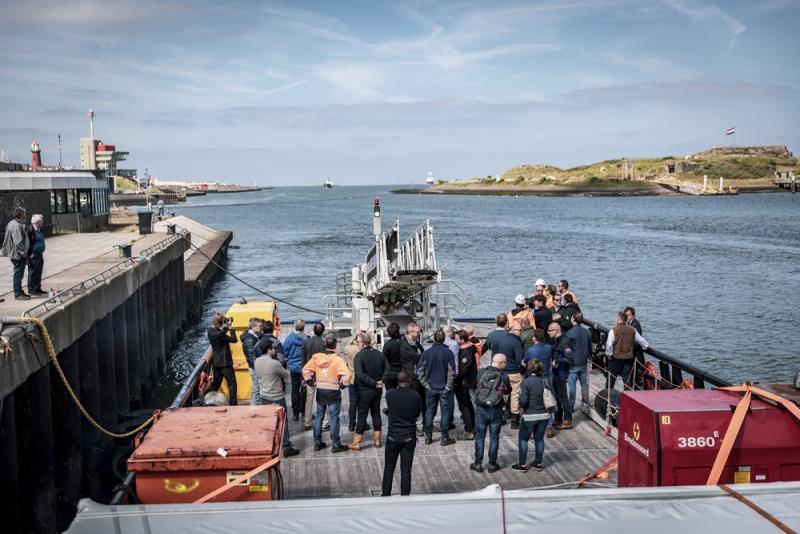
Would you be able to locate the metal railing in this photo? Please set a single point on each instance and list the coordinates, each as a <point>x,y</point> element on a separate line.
<point>671,369</point>
<point>63,296</point>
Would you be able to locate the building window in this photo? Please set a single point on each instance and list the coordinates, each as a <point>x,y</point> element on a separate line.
<point>53,202</point>
<point>61,201</point>
<point>85,201</point>
<point>72,205</point>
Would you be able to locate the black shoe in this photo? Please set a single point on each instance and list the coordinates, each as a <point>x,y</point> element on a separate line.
<point>320,446</point>
<point>340,448</point>
<point>478,468</point>
<point>522,468</point>
<point>306,427</point>
<point>385,411</point>
<point>326,427</point>
<point>22,296</point>
<point>38,292</point>
<point>428,440</point>
<point>493,467</point>
<point>538,467</point>
<point>2,300</point>
<point>447,441</point>
<point>290,451</point>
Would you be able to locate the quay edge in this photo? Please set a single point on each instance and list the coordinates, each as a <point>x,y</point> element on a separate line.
<point>113,334</point>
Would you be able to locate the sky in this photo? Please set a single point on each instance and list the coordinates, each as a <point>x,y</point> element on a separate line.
<point>367,92</point>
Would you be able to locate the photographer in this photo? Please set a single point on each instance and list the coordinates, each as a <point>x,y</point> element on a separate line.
<point>220,337</point>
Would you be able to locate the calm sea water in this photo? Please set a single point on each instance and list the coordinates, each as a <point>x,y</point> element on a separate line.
<point>715,280</point>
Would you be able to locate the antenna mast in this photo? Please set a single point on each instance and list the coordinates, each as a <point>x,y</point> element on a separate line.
<point>91,123</point>
<point>60,163</point>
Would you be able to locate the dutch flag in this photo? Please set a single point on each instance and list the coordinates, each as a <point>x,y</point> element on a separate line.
<point>731,130</point>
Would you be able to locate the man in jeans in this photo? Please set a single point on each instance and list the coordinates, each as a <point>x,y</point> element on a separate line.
<point>404,406</point>
<point>490,416</point>
<point>293,346</point>
<point>330,373</point>
<point>271,379</point>
<point>436,372</point>
<point>15,247</point>
<point>581,342</point>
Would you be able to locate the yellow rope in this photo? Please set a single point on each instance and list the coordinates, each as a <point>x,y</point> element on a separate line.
<point>51,351</point>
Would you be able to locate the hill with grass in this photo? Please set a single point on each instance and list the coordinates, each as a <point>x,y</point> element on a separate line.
<point>747,168</point>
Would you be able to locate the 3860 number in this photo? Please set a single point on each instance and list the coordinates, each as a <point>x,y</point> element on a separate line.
<point>692,442</point>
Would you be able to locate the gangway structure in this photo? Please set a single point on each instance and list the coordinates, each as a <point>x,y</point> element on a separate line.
<point>397,282</point>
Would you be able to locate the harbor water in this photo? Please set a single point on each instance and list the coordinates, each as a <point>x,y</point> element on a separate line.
<point>715,280</point>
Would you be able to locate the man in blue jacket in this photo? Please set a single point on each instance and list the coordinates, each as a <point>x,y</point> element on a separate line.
<point>293,347</point>
<point>436,372</point>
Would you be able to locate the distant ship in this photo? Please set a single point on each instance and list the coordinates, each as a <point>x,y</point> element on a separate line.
<point>429,181</point>
<point>327,184</point>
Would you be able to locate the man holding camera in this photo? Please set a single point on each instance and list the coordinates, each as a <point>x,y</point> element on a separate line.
<point>220,337</point>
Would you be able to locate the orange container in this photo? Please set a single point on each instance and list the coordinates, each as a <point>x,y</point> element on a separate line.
<point>191,452</point>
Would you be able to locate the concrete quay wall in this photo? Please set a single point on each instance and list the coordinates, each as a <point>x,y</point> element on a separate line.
<point>113,334</point>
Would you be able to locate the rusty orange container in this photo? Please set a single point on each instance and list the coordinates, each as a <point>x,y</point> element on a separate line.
<point>191,452</point>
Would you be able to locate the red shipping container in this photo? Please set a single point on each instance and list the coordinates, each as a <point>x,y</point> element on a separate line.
<point>191,452</point>
<point>672,437</point>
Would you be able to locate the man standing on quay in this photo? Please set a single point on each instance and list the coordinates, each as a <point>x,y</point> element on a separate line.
<point>371,372</point>
<point>15,247</point>
<point>36,256</point>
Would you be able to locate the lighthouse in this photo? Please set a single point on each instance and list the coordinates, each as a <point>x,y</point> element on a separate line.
<point>36,156</point>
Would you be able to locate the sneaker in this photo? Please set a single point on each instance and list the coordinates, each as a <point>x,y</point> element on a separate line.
<point>538,467</point>
<point>326,427</point>
<point>306,427</point>
<point>22,296</point>
<point>340,448</point>
<point>478,468</point>
<point>428,440</point>
<point>566,425</point>
<point>550,433</point>
<point>447,441</point>
<point>320,446</point>
<point>290,451</point>
<point>466,436</point>
<point>493,467</point>
<point>522,468</point>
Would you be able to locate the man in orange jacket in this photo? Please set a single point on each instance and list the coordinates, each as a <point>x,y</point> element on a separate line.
<point>330,373</point>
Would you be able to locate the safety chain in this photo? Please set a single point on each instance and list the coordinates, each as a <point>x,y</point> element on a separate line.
<point>51,352</point>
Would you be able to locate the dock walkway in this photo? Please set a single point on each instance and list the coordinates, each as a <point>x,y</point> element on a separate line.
<point>568,457</point>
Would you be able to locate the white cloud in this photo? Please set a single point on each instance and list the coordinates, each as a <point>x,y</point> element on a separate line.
<point>709,12</point>
<point>357,78</point>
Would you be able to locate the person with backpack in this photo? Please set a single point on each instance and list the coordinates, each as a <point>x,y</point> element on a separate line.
<point>493,384</point>
<point>535,417</point>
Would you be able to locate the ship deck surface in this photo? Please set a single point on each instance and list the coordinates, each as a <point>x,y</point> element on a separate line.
<point>568,457</point>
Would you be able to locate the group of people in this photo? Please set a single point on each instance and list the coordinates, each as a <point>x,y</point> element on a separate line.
<point>24,245</point>
<point>540,353</point>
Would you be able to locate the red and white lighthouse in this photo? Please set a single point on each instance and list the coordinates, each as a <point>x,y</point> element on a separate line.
<point>36,156</point>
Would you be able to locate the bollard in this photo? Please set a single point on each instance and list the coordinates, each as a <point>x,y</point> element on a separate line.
<point>171,229</point>
<point>125,250</point>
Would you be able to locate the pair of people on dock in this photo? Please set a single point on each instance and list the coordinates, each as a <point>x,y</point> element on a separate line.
<point>25,246</point>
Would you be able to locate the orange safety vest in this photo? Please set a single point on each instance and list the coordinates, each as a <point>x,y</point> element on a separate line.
<point>524,314</point>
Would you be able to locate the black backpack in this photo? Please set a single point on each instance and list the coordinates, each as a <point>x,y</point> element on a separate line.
<point>490,388</point>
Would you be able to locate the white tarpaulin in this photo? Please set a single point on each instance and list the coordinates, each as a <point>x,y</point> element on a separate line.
<point>673,510</point>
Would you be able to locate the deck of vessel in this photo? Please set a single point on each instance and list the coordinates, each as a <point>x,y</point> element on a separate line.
<point>568,457</point>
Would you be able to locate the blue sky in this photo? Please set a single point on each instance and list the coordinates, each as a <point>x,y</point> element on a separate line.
<point>286,93</point>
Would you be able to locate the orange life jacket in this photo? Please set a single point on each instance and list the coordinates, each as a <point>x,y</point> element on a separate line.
<point>524,314</point>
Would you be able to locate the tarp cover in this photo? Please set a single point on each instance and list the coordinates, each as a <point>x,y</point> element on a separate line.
<point>619,510</point>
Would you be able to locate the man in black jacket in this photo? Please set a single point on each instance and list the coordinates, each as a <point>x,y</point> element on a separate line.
<point>311,346</point>
<point>371,370</point>
<point>405,406</point>
<point>465,383</point>
<point>249,341</point>
<point>220,337</point>
<point>391,349</point>
<point>638,353</point>
<point>410,352</point>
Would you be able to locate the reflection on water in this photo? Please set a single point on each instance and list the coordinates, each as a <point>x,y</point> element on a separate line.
<point>714,280</point>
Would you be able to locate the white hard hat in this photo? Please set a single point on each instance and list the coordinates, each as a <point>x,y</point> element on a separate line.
<point>520,299</point>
